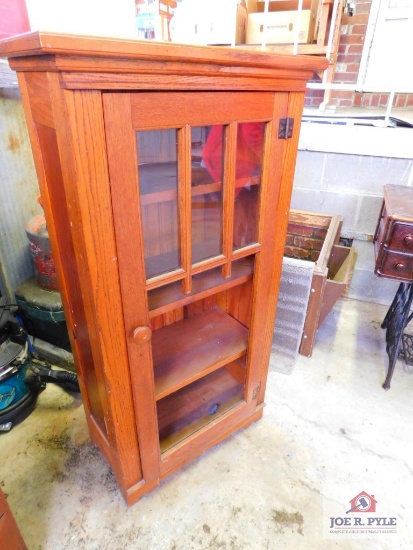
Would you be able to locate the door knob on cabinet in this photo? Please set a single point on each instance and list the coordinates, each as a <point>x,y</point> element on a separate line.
<point>141,335</point>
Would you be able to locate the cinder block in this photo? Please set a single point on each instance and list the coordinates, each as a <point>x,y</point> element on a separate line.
<point>364,175</point>
<point>309,170</point>
<point>327,202</point>
<point>365,254</point>
<point>368,215</point>
<point>368,287</point>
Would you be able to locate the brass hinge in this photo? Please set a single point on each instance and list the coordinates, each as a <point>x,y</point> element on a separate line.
<point>256,392</point>
<point>285,129</point>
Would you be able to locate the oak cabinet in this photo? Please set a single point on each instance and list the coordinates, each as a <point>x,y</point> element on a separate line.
<point>166,175</point>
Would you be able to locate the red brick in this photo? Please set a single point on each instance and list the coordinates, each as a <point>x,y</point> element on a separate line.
<point>299,253</point>
<point>310,244</point>
<point>409,101</point>
<point>355,48</point>
<point>320,233</point>
<point>375,99</point>
<point>357,99</point>
<point>349,58</point>
<point>314,255</point>
<point>298,229</point>
<point>366,100</point>
<point>289,239</point>
<point>352,39</point>
<point>345,103</point>
<point>344,94</point>
<point>400,101</point>
<point>342,49</point>
<point>358,29</point>
<point>353,68</point>
<point>384,98</point>
<point>362,7</point>
<point>345,77</point>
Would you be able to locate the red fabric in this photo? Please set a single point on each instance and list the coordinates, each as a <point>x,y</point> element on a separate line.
<point>249,150</point>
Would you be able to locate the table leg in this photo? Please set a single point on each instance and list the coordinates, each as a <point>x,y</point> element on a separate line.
<point>395,322</point>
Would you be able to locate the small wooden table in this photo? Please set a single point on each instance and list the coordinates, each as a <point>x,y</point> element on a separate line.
<point>393,247</point>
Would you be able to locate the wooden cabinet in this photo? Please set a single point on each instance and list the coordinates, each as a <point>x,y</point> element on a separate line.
<point>166,175</point>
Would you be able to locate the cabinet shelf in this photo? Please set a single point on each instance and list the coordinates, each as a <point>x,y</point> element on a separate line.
<point>189,349</point>
<point>168,297</point>
<point>186,411</point>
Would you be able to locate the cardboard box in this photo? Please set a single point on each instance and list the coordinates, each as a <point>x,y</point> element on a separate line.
<point>281,27</point>
<point>212,22</point>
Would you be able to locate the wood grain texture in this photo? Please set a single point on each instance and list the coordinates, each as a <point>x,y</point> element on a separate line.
<point>285,166</point>
<point>41,106</point>
<point>214,107</point>
<point>184,412</point>
<point>51,43</point>
<point>194,347</point>
<point>54,202</point>
<point>272,239</point>
<point>239,416</point>
<point>79,120</point>
<point>96,199</point>
<point>98,81</point>
<point>130,255</point>
<point>204,284</point>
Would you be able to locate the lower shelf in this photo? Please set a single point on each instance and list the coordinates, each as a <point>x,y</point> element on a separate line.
<point>186,411</point>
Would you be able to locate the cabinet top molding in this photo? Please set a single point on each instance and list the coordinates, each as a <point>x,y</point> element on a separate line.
<point>65,45</point>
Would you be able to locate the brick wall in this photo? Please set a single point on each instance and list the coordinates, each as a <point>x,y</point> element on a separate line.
<point>353,31</point>
<point>305,236</point>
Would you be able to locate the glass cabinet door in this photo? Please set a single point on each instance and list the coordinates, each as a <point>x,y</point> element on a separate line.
<point>158,185</point>
<point>187,206</point>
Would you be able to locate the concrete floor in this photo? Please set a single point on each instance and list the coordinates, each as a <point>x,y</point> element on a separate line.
<point>329,431</point>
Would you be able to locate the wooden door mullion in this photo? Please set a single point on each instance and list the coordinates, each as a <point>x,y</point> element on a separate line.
<point>185,217</point>
<point>229,195</point>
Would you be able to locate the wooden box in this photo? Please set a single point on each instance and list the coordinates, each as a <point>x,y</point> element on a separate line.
<point>315,237</point>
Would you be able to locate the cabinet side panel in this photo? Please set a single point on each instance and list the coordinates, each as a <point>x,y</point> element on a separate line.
<point>76,319</point>
<point>49,173</point>
<point>82,148</point>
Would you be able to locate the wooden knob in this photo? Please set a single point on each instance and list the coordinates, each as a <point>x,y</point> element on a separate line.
<point>400,266</point>
<point>408,240</point>
<point>142,335</point>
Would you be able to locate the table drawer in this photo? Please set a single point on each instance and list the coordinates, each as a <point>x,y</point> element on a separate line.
<point>395,265</point>
<point>400,237</point>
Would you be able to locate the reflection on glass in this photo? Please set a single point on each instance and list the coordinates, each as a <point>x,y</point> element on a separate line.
<point>207,172</point>
<point>249,157</point>
<point>158,184</point>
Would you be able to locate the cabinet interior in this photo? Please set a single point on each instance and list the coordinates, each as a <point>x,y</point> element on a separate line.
<point>199,355</point>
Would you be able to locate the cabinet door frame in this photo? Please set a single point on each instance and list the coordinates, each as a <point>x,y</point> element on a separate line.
<point>126,113</point>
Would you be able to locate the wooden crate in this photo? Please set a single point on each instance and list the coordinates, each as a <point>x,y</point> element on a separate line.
<point>314,237</point>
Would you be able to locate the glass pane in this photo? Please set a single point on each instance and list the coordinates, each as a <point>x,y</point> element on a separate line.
<point>158,184</point>
<point>207,171</point>
<point>250,147</point>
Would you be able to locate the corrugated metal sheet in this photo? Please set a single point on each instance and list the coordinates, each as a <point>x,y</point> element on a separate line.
<point>18,193</point>
<point>295,286</point>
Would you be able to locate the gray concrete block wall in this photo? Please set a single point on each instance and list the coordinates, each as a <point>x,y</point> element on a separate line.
<point>352,186</point>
